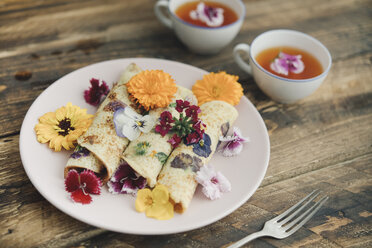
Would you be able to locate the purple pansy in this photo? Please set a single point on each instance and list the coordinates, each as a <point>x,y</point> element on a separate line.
<point>232,145</point>
<point>126,180</point>
<point>203,147</point>
<point>214,183</point>
<point>286,63</point>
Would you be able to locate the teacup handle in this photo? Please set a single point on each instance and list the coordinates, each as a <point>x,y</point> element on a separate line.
<point>160,14</point>
<point>238,59</point>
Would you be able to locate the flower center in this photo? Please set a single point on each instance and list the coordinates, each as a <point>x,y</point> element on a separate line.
<point>201,142</point>
<point>148,201</point>
<point>65,126</point>
<point>216,91</point>
<point>214,180</point>
<point>83,188</point>
<point>140,123</point>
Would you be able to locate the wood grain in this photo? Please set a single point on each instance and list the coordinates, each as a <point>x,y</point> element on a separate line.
<point>323,141</point>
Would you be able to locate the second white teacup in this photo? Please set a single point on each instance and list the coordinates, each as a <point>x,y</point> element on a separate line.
<point>203,40</point>
<point>282,89</point>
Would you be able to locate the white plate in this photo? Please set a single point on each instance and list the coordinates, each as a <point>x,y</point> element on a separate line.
<point>45,167</point>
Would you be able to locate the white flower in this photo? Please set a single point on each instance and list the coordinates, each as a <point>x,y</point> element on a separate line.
<point>214,183</point>
<point>129,124</point>
<point>213,17</point>
<point>233,144</point>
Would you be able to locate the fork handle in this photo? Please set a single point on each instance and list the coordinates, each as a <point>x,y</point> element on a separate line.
<point>248,238</point>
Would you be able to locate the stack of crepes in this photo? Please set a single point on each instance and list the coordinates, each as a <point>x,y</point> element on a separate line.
<point>99,148</point>
<point>103,150</point>
<point>178,173</point>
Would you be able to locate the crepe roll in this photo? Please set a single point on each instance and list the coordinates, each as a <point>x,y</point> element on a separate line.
<point>147,154</point>
<point>178,173</point>
<point>99,148</point>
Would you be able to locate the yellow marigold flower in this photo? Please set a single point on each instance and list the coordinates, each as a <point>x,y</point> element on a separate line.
<point>155,203</point>
<point>218,86</point>
<point>152,89</point>
<point>62,127</point>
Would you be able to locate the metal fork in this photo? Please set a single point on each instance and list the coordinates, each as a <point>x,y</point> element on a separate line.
<point>284,224</point>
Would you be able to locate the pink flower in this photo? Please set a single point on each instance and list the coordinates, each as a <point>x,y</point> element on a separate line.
<point>181,105</point>
<point>166,117</point>
<point>286,63</point>
<point>214,183</point>
<point>232,145</point>
<point>126,180</point>
<point>175,140</point>
<point>193,112</point>
<point>94,94</point>
<point>81,185</point>
<point>162,129</point>
<point>193,138</point>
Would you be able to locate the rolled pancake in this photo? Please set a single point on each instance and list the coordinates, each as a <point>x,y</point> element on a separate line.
<point>103,145</point>
<point>178,173</point>
<point>149,164</point>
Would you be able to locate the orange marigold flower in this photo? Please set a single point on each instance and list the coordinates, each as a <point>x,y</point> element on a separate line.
<point>152,89</point>
<point>218,86</point>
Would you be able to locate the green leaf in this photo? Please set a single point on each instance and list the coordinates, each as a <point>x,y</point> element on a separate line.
<point>173,105</point>
<point>162,157</point>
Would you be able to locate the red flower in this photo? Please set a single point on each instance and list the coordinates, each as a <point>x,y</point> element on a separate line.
<point>166,118</point>
<point>193,112</point>
<point>163,129</point>
<point>94,94</point>
<point>193,138</point>
<point>175,141</point>
<point>80,186</point>
<point>181,105</point>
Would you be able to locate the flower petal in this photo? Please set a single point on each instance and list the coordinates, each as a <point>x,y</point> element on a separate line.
<point>131,131</point>
<point>114,187</point>
<point>149,123</point>
<point>92,182</point>
<point>143,200</point>
<point>160,194</point>
<point>80,197</point>
<point>132,114</point>
<point>72,181</point>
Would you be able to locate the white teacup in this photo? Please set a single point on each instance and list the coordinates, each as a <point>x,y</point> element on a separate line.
<point>278,88</point>
<point>203,40</point>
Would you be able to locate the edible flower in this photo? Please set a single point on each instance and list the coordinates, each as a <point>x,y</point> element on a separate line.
<point>62,127</point>
<point>128,123</point>
<point>96,91</point>
<point>203,146</point>
<point>175,140</point>
<point>285,63</point>
<point>79,152</point>
<point>213,17</point>
<point>152,89</point>
<point>214,183</point>
<point>81,185</point>
<point>125,180</point>
<point>185,161</point>
<point>155,203</point>
<point>218,86</point>
<point>232,145</point>
<point>187,126</point>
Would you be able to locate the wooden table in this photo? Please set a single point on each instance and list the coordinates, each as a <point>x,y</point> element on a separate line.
<point>323,141</point>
